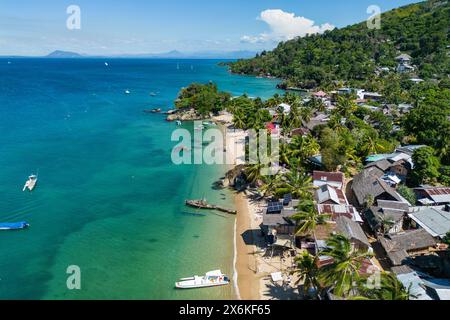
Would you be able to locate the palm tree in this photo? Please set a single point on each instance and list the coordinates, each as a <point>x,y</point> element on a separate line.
<point>239,119</point>
<point>342,275</point>
<point>253,172</point>
<point>297,183</point>
<point>370,145</point>
<point>306,114</point>
<point>307,271</point>
<point>303,147</point>
<point>390,288</point>
<point>285,153</point>
<point>386,224</point>
<point>270,185</point>
<point>345,106</point>
<point>308,218</point>
<point>320,105</point>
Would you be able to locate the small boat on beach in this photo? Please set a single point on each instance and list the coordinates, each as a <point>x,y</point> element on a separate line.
<point>13,226</point>
<point>31,183</point>
<point>211,279</point>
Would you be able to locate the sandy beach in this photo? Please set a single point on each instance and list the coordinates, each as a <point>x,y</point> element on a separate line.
<point>253,263</point>
<point>246,264</point>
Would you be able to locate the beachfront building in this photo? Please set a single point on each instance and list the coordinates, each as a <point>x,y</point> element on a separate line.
<point>277,218</point>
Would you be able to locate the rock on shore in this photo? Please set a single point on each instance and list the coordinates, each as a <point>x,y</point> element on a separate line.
<point>185,115</point>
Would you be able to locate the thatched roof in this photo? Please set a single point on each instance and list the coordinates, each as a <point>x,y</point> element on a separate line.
<point>351,230</point>
<point>375,215</point>
<point>397,246</point>
<point>369,182</point>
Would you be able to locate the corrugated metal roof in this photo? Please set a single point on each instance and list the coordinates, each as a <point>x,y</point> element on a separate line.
<point>435,220</point>
<point>415,284</point>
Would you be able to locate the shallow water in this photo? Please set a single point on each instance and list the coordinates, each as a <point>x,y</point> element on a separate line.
<point>108,198</point>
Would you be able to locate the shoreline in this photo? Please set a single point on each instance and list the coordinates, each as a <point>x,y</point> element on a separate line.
<point>248,282</point>
<point>245,279</point>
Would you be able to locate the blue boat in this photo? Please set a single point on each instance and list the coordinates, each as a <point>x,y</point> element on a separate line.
<point>14,226</point>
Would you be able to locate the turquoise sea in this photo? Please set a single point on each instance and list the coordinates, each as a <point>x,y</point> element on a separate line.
<point>108,199</point>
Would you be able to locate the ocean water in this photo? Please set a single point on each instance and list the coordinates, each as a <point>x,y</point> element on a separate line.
<point>109,199</point>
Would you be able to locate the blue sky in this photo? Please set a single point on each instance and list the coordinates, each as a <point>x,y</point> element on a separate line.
<point>30,27</point>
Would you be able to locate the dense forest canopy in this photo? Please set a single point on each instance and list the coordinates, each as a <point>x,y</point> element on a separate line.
<point>353,53</point>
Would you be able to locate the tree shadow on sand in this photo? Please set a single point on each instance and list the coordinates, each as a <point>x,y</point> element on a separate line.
<point>280,292</point>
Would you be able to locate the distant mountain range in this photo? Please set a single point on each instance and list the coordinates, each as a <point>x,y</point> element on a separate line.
<point>59,54</point>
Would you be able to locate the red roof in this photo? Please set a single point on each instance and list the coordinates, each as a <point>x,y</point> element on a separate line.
<point>336,211</point>
<point>320,94</point>
<point>328,176</point>
<point>270,126</point>
<point>437,191</point>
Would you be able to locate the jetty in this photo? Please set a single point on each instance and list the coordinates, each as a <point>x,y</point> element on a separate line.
<point>203,204</point>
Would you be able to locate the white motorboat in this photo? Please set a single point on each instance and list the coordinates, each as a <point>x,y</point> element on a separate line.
<point>31,183</point>
<point>127,92</point>
<point>211,279</point>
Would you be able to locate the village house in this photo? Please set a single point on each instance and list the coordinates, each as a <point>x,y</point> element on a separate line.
<point>320,118</point>
<point>387,217</point>
<point>334,179</point>
<point>428,195</point>
<point>276,219</point>
<point>369,184</point>
<point>401,246</point>
<point>409,149</point>
<point>372,96</point>
<point>435,220</point>
<point>302,132</point>
<point>285,107</point>
<point>346,227</point>
<point>404,63</point>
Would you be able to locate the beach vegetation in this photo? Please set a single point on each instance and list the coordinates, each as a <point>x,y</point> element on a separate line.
<point>342,275</point>
<point>205,99</point>
<point>308,218</point>
<point>308,274</point>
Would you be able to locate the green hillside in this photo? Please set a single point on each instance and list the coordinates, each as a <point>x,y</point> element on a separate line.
<point>354,53</point>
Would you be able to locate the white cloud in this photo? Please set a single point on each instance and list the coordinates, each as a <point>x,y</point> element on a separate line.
<point>285,26</point>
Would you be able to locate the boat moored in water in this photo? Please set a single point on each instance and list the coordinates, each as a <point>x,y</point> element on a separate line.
<point>31,183</point>
<point>13,226</point>
<point>211,279</point>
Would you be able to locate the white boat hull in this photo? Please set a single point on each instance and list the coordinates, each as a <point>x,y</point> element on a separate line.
<point>187,285</point>
<point>211,279</point>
